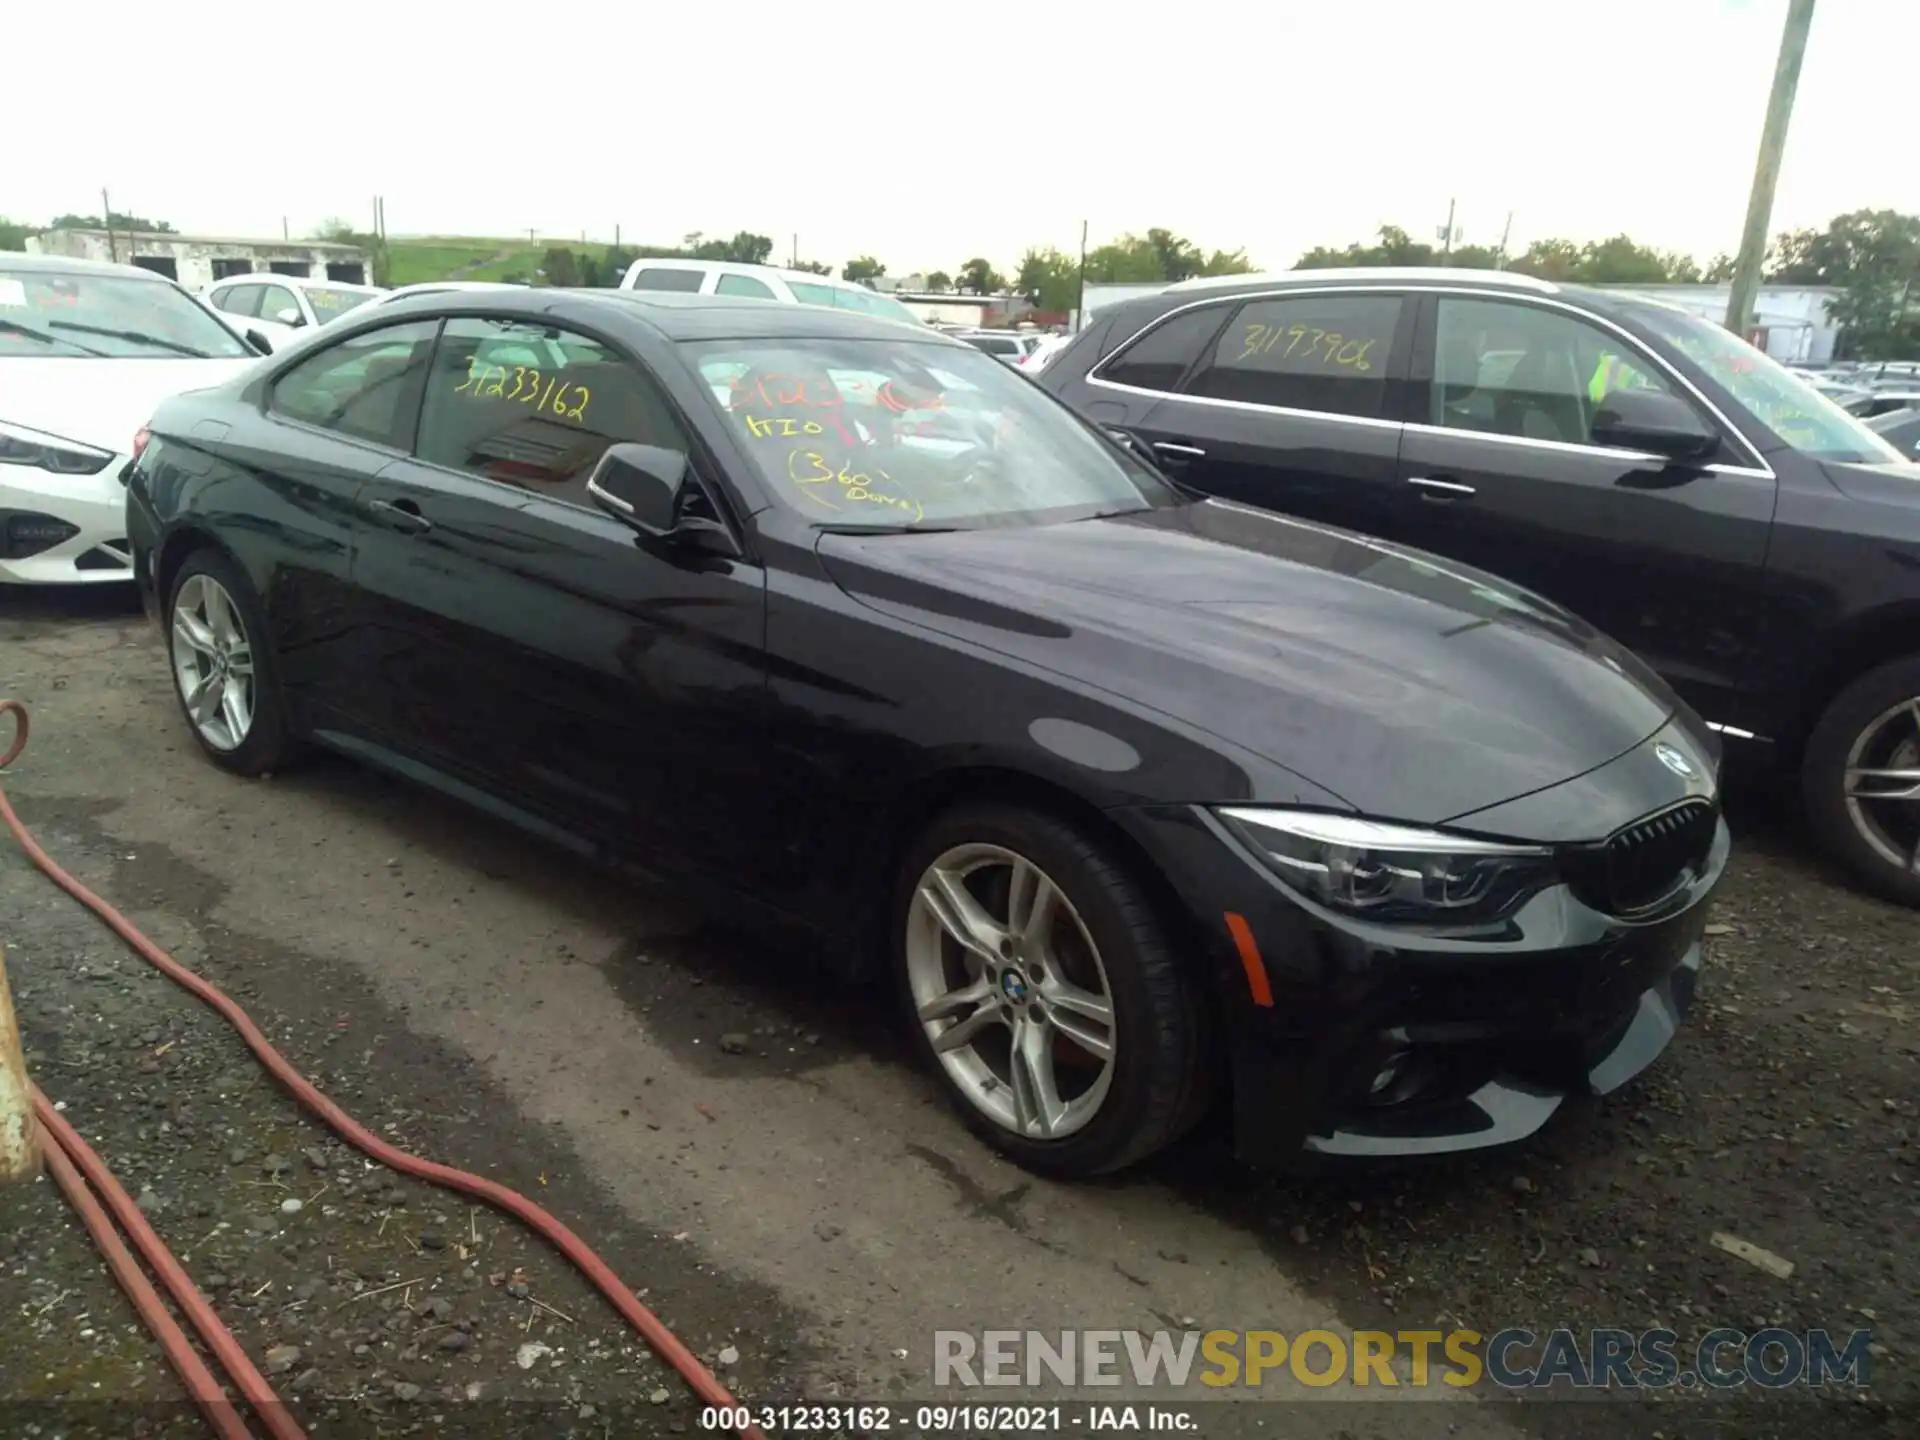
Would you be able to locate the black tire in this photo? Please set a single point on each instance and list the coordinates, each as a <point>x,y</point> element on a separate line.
<point>1162,1079</point>
<point>269,744</point>
<point>1823,781</point>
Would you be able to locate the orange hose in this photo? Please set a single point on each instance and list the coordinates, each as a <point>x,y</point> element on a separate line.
<point>649,1326</point>
<point>217,1338</point>
<point>200,1382</point>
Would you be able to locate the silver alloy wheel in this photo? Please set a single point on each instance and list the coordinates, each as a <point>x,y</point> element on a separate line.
<point>1011,991</point>
<point>212,662</point>
<point>1883,785</point>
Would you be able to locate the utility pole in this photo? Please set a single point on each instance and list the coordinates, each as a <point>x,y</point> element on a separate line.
<point>1500,255</point>
<point>793,255</point>
<point>1766,169</point>
<point>1080,299</point>
<point>284,233</point>
<point>106,219</point>
<point>1446,237</point>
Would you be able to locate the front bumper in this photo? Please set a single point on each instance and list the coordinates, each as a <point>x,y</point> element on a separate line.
<point>1351,1039</point>
<point>62,529</point>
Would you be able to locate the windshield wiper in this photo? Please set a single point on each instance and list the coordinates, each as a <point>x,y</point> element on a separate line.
<point>32,332</point>
<point>885,529</point>
<point>138,337</point>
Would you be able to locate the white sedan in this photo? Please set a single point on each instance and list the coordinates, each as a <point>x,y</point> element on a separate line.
<point>278,305</point>
<point>87,351</point>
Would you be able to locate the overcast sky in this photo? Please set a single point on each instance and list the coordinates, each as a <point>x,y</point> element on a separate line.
<point>926,134</point>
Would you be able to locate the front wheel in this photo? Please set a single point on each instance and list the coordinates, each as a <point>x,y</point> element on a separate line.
<point>1861,779</point>
<point>1041,986</point>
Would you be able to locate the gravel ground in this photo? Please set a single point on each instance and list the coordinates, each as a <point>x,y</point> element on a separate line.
<point>794,1201</point>
<point>367,1297</point>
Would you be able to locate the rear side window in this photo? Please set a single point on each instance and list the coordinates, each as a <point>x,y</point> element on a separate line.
<point>367,387</point>
<point>686,281</point>
<point>534,406</point>
<point>745,285</point>
<point>994,344</point>
<point>1312,352</point>
<point>1158,359</point>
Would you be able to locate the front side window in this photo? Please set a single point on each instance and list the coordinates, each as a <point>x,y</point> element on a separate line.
<point>107,317</point>
<point>1529,372</point>
<point>531,405</point>
<point>1779,399</point>
<point>1159,359</point>
<point>367,387</point>
<point>1309,352</point>
<point>330,302</point>
<point>745,285</point>
<point>666,278</point>
<point>899,433</point>
<point>275,301</point>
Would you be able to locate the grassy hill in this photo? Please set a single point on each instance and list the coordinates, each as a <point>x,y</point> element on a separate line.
<point>416,258</point>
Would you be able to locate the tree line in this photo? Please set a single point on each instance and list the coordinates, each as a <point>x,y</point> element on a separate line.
<point>1871,256</point>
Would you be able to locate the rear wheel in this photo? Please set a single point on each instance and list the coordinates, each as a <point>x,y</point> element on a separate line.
<point>1041,986</point>
<point>1861,779</point>
<point>222,669</point>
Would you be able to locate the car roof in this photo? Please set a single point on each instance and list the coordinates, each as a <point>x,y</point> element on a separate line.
<point>680,316</point>
<point>739,267</point>
<point>1372,274</point>
<point>20,260</point>
<point>297,282</point>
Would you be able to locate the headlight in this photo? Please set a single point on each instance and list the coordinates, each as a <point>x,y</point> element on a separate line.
<point>1392,872</point>
<point>20,446</point>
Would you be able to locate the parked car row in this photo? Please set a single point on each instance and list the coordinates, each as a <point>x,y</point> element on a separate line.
<point>1216,719</point>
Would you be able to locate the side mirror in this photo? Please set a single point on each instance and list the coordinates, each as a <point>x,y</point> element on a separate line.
<point>649,489</point>
<point>1655,422</point>
<point>261,345</point>
<point>289,316</point>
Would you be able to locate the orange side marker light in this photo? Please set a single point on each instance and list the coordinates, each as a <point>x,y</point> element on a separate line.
<point>1250,960</point>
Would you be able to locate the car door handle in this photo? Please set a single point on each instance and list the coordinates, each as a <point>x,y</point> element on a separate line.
<point>1432,489</point>
<point>401,515</point>
<point>1179,452</point>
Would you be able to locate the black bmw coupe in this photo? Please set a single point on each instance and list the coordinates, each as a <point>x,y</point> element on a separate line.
<point>1144,803</point>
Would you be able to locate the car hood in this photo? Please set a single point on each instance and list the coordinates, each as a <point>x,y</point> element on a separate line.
<point>1893,483</point>
<point>1412,688</point>
<point>100,402</point>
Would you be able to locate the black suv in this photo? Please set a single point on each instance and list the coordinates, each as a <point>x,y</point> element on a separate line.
<point>1645,468</point>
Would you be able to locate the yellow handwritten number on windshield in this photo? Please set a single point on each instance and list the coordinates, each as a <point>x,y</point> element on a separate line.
<point>823,484</point>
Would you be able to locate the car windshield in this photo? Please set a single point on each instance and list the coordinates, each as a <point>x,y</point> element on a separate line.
<point>107,317</point>
<point>330,303</point>
<point>1795,411</point>
<point>899,433</point>
<point>852,297</point>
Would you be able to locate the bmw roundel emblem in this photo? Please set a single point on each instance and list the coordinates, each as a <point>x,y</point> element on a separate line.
<point>1675,761</point>
<point>1013,986</point>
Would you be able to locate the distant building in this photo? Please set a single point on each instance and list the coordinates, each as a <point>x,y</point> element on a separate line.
<point>974,312</point>
<point>196,261</point>
<point>1791,322</point>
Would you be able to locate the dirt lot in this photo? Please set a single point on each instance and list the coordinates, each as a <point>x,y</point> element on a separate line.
<point>796,1202</point>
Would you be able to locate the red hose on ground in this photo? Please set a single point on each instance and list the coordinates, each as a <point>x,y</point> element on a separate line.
<point>217,1338</point>
<point>200,1382</point>
<point>664,1342</point>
